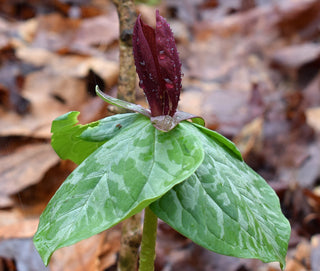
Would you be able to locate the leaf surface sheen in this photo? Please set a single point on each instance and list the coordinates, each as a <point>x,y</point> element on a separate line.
<point>76,142</point>
<point>116,181</point>
<point>65,139</point>
<point>225,206</point>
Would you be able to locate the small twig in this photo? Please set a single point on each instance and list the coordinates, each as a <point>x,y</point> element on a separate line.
<point>131,228</point>
<point>127,75</point>
<point>130,243</point>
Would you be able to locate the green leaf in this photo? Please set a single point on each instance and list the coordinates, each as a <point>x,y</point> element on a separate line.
<point>66,139</point>
<point>77,142</point>
<point>123,104</point>
<point>226,207</point>
<point>226,143</point>
<point>163,123</point>
<point>199,121</point>
<point>149,2</point>
<point>108,127</point>
<point>118,180</point>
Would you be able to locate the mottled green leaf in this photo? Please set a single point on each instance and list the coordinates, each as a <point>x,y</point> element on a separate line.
<point>118,180</point>
<point>149,2</point>
<point>108,127</point>
<point>228,145</point>
<point>226,207</point>
<point>163,123</point>
<point>199,121</point>
<point>66,139</point>
<point>77,142</point>
<point>123,104</point>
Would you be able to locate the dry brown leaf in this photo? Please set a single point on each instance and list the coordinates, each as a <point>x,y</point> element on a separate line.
<point>315,252</point>
<point>295,56</point>
<point>11,219</point>
<point>22,228</point>
<point>311,93</point>
<point>35,56</point>
<point>226,57</point>
<point>27,30</point>
<point>313,118</point>
<point>228,109</point>
<point>24,254</point>
<point>4,33</point>
<point>78,8</point>
<point>5,201</point>
<point>286,17</point>
<point>290,60</point>
<point>96,253</point>
<point>225,110</point>
<point>100,30</point>
<point>53,91</point>
<point>82,256</point>
<point>308,171</point>
<point>55,32</point>
<point>39,87</point>
<point>210,59</point>
<point>73,66</point>
<point>25,167</point>
<point>110,248</point>
<point>191,101</point>
<point>250,138</point>
<point>175,252</point>
<point>299,18</point>
<point>32,200</point>
<point>301,258</point>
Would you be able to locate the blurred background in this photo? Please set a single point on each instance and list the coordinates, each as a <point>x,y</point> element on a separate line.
<point>251,69</point>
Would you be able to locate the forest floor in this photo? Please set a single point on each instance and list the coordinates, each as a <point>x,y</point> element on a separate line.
<point>251,69</point>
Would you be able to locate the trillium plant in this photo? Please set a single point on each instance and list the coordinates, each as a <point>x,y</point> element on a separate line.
<point>164,161</point>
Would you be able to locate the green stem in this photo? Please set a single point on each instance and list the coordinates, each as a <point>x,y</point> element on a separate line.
<point>148,244</point>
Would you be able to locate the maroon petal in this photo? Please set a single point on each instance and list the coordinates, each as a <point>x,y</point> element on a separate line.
<point>158,65</point>
<point>169,65</point>
<point>146,64</point>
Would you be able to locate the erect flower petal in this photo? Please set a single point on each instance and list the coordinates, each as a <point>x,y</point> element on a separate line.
<point>144,45</point>
<point>169,65</point>
<point>158,65</point>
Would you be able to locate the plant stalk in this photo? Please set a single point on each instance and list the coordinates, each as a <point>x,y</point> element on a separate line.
<point>127,70</point>
<point>148,244</point>
<point>131,227</point>
<point>130,243</point>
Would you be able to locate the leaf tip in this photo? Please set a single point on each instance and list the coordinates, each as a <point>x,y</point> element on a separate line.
<point>42,249</point>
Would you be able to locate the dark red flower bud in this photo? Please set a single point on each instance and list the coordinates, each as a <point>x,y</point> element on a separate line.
<point>158,65</point>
